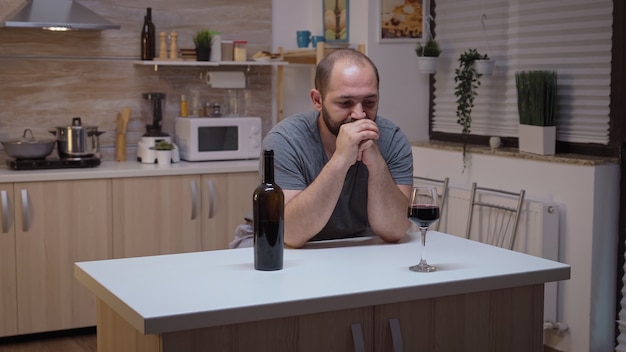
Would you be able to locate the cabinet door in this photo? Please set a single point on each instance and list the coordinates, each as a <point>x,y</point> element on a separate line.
<point>57,224</point>
<point>156,215</point>
<point>226,199</point>
<point>8,278</point>
<point>507,319</point>
<point>342,330</point>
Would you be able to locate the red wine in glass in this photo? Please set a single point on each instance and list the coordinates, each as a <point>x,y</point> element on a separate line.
<point>423,215</point>
<point>423,211</point>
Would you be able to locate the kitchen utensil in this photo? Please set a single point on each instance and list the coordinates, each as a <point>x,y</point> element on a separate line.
<point>155,107</point>
<point>77,140</point>
<point>120,140</point>
<point>29,147</point>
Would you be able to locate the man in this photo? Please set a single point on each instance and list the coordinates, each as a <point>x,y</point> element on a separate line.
<point>344,171</point>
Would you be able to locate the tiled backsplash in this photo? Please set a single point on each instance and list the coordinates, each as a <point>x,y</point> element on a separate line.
<point>46,78</point>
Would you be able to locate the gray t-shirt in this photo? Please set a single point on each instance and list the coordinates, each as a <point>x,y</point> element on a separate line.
<point>299,157</point>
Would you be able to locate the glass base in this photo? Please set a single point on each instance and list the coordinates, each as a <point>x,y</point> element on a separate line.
<point>423,267</point>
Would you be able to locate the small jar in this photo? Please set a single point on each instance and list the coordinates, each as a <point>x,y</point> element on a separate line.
<point>240,50</point>
<point>227,50</point>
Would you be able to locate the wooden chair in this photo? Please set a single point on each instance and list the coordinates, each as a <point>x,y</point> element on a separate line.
<point>442,191</point>
<point>495,216</point>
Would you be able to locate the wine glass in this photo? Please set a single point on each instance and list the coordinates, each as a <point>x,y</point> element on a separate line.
<point>423,212</point>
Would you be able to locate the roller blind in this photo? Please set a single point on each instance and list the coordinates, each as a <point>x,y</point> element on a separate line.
<point>572,37</point>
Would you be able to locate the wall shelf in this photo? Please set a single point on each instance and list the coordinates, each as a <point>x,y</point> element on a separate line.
<point>179,63</point>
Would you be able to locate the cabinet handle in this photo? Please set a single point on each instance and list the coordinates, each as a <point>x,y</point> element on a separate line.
<point>357,338</point>
<point>211,186</point>
<point>25,211</point>
<point>396,335</point>
<point>5,211</point>
<point>194,199</point>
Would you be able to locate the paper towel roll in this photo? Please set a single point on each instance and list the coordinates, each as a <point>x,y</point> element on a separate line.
<point>226,79</point>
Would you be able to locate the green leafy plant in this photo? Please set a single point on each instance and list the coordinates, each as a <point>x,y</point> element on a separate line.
<point>203,39</point>
<point>467,82</point>
<point>536,97</point>
<point>163,145</point>
<point>430,49</point>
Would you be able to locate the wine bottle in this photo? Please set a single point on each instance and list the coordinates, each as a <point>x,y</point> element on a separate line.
<point>269,219</point>
<point>148,40</point>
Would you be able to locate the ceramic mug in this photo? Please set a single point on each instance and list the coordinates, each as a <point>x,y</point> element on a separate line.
<point>316,39</point>
<point>304,38</point>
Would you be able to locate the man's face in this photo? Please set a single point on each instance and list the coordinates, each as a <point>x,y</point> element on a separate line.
<point>352,94</point>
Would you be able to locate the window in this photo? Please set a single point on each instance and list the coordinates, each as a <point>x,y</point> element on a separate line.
<point>572,37</point>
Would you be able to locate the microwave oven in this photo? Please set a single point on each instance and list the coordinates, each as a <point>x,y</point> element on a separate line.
<point>218,138</point>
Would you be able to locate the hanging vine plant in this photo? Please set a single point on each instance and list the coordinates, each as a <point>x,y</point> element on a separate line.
<point>467,81</point>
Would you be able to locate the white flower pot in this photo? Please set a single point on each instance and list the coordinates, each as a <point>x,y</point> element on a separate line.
<point>164,157</point>
<point>537,139</point>
<point>427,64</point>
<point>484,67</point>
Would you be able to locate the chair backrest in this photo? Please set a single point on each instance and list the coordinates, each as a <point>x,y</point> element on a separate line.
<point>495,215</point>
<point>442,191</point>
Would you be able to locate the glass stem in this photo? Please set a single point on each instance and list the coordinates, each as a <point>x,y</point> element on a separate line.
<point>423,231</point>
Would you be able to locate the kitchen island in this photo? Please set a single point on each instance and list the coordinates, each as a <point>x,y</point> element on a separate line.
<point>355,294</point>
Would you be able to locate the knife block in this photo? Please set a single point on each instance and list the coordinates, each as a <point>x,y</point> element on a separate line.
<point>120,147</point>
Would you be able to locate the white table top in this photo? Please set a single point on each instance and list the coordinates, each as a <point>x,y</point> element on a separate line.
<point>113,169</point>
<point>167,293</point>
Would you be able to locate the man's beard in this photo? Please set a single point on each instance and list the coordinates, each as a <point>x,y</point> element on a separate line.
<point>333,128</point>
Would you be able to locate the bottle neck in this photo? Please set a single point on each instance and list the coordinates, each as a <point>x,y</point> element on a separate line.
<point>268,168</point>
<point>149,14</point>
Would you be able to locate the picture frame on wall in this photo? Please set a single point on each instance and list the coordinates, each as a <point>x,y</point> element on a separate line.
<point>401,20</point>
<point>336,15</point>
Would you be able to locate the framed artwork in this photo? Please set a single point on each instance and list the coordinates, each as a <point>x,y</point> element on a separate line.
<point>401,20</point>
<point>336,15</point>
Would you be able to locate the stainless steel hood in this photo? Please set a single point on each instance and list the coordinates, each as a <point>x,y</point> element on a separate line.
<point>57,15</point>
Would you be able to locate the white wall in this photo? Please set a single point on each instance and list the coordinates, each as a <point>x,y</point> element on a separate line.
<point>587,195</point>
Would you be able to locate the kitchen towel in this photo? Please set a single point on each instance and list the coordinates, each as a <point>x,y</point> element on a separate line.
<point>228,80</point>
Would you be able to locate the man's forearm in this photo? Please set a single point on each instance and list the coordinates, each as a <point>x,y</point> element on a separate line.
<point>387,204</point>
<point>308,212</point>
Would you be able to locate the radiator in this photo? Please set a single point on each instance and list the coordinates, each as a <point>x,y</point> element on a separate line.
<point>538,233</point>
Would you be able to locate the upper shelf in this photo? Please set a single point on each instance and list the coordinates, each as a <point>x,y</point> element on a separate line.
<point>157,63</point>
<point>313,56</point>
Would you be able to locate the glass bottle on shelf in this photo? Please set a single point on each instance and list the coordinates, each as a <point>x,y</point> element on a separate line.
<point>148,40</point>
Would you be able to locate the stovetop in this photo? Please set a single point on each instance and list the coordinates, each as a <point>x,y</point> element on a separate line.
<point>52,163</point>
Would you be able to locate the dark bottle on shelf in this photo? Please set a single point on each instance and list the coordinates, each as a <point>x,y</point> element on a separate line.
<point>148,39</point>
<point>269,219</point>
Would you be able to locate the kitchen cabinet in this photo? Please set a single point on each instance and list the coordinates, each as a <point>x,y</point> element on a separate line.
<point>226,199</point>
<point>8,273</point>
<point>156,215</point>
<point>46,228</point>
<point>175,214</point>
<point>498,320</point>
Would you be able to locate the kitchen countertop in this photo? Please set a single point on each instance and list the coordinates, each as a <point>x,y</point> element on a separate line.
<point>114,169</point>
<point>177,292</point>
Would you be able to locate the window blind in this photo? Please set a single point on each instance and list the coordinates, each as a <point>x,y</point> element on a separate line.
<point>572,37</point>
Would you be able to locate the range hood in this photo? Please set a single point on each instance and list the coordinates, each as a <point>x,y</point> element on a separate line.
<point>60,15</point>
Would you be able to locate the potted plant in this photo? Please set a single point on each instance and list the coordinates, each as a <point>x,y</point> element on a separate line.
<point>484,65</point>
<point>202,41</point>
<point>427,55</point>
<point>164,152</point>
<point>467,81</point>
<point>536,105</point>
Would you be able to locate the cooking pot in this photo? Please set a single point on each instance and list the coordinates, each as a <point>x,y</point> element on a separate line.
<point>28,147</point>
<point>77,140</point>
